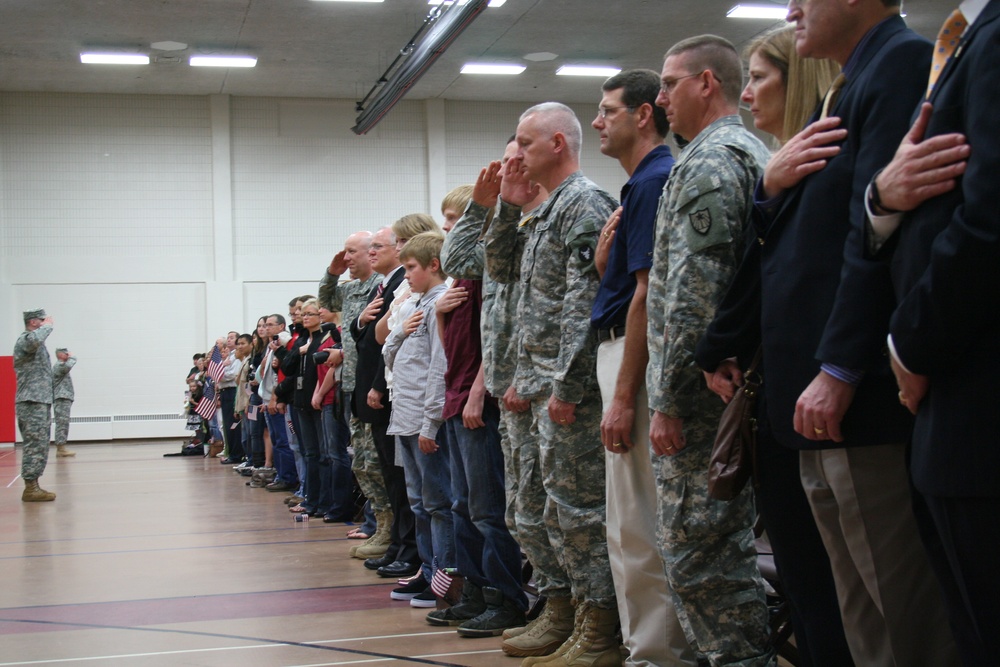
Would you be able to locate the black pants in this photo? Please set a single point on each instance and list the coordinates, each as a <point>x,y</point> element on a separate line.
<point>227,401</point>
<point>404,526</point>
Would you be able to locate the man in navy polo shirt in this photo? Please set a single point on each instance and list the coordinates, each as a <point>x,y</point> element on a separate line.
<point>632,129</point>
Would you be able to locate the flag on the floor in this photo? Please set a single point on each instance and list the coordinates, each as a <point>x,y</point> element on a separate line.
<point>215,367</point>
<point>206,406</point>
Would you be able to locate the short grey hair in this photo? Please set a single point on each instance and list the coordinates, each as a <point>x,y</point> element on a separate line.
<point>557,117</point>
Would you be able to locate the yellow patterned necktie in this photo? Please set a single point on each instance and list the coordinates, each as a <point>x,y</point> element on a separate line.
<point>944,47</point>
<point>831,95</point>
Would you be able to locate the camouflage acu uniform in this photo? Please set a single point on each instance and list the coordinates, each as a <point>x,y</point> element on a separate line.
<point>349,299</point>
<point>33,400</point>
<point>556,356</point>
<point>63,395</point>
<point>706,544</point>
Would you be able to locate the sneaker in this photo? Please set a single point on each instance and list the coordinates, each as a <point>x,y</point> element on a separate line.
<point>425,600</point>
<point>500,614</point>
<point>240,466</point>
<point>410,590</point>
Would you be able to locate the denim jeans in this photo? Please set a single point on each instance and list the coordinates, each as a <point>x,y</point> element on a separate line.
<point>336,436</point>
<point>292,428</point>
<point>485,552</point>
<point>284,460</point>
<point>428,487</point>
<point>318,496</point>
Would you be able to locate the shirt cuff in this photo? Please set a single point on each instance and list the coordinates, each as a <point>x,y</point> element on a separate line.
<point>848,375</point>
<point>895,355</point>
<point>883,226</point>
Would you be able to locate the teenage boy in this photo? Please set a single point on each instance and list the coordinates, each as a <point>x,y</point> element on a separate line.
<point>415,355</point>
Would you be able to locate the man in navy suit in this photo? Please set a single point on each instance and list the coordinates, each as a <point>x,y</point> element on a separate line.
<point>824,311</point>
<point>370,402</point>
<point>945,253</point>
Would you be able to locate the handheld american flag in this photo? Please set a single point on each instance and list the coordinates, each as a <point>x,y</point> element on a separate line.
<point>215,367</point>
<point>206,406</point>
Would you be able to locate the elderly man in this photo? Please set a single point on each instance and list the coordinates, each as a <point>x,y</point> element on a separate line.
<point>556,370</point>
<point>62,399</point>
<point>825,311</point>
<point>33,401</point>
<point>706,544</point>
<point>349,298</point>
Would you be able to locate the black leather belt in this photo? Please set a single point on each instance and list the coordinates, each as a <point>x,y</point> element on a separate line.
<point>614,333</point>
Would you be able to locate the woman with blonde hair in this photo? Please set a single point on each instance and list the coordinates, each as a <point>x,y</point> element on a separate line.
<point>783,92</point>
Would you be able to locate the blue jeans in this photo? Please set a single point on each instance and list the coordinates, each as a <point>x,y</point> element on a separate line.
<point>292,426</point>
<point>284,460</point>
<point>318,496</point>
<point>336,436</point>
<point>486,553</point>
<point>428,487</point>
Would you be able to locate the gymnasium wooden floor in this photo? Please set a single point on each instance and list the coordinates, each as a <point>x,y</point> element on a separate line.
<point>145,561</point>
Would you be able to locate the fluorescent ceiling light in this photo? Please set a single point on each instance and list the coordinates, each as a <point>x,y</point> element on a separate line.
<point>114,58</point>
<point>577,70</point>
<point>223,61</point>
<point>772,12</point>
<point>493,3</point>
<point>483,68</point>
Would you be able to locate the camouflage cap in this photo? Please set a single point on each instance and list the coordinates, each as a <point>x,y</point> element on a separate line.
<point>34,314</point>
<point>62,349</point>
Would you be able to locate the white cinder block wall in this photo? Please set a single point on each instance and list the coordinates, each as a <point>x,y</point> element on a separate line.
<point>150,225</point>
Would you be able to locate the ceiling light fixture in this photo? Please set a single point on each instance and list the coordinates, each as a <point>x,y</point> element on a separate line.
<point>580,70</point>
<point>114,58</point>
<point>771,12</point>
<point>493,3</point>
<point>484,68</point>
<point>223,61</point>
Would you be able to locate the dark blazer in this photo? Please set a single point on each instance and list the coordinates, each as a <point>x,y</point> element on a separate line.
<point>371,365</point>
<point>946,270</point>
<point>822,299</point>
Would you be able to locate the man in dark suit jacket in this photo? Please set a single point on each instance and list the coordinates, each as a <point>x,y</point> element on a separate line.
<point>824,314</point>
<point>370,403</point>
<point>945,259</point>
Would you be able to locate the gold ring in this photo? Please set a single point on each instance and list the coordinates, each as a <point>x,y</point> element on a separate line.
<point>562,421</point>
<point>902,399</point>
<point>616,445</point>
<point>819,431</point>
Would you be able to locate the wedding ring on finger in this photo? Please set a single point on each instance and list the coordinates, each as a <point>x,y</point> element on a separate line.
<point>616,445</point>
<point>819,431</point>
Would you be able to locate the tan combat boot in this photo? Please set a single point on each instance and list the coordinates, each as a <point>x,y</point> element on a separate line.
<point>596,642</point>
<point>544,634</point>
<point>62,452</point>
<point>376,545</point>
<point>34,493</point>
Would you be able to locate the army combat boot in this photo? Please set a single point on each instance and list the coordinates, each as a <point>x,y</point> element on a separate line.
<point>34,493</point>
<point>544,634</point>
<point>62,452</point>
<point>379,543</point>
<point>596,642</point>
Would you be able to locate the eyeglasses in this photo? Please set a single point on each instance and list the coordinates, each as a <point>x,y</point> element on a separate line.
<point>377,246</point>
<point>310,314</point>
<point>667,86</point>
<point>604,111</point>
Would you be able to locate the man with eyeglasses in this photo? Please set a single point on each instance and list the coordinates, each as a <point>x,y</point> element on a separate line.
<point>706,544</point>
<point>632,129</point>
<point>825,311</point>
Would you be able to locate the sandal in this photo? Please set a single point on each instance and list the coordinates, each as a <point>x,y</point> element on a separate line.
<point>356,534</point>
<point>299,509</point>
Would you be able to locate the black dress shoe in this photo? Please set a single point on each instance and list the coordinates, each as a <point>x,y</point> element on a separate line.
<point>376,563</point>
<point>398,569</point>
